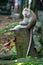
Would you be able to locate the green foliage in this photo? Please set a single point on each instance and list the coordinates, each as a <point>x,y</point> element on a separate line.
<point>38,24</point>
<point>28,57</point>
<point>25,63</point>
<point>7,26</point>
<point>3,30</point>
<point>13,50</point>
<point>11,24</point>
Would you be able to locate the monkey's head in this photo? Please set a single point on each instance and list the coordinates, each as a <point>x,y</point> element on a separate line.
<point>26,12</point>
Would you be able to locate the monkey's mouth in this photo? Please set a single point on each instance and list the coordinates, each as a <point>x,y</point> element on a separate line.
<point>27,16</point>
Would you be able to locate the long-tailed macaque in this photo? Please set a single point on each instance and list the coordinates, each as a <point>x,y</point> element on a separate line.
<point>29,18</point>
<point>28,22</point>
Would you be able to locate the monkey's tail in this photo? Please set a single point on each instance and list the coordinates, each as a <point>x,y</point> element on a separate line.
<point>30,42</point>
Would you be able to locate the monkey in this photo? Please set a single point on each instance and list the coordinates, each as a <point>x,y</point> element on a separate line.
<point>28,22</point>
<point>29,18</point>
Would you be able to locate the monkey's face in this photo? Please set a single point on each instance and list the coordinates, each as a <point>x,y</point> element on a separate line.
<point>26,12</point>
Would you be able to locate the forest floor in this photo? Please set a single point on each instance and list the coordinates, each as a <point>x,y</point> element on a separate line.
<point>6,22</point>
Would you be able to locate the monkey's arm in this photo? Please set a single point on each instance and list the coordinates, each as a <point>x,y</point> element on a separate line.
<point>32,20</point>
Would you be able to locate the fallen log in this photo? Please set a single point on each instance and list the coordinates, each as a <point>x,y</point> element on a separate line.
<point>7,56</point>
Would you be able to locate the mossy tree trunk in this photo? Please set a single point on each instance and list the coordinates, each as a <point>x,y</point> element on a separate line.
<point>22,42</point>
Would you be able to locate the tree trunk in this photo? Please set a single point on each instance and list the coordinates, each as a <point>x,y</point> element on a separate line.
<point>34,6</point>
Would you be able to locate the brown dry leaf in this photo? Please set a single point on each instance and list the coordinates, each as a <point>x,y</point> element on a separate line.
<point>6,44</point>
<point>8,33</point>
<point>12,43</point>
